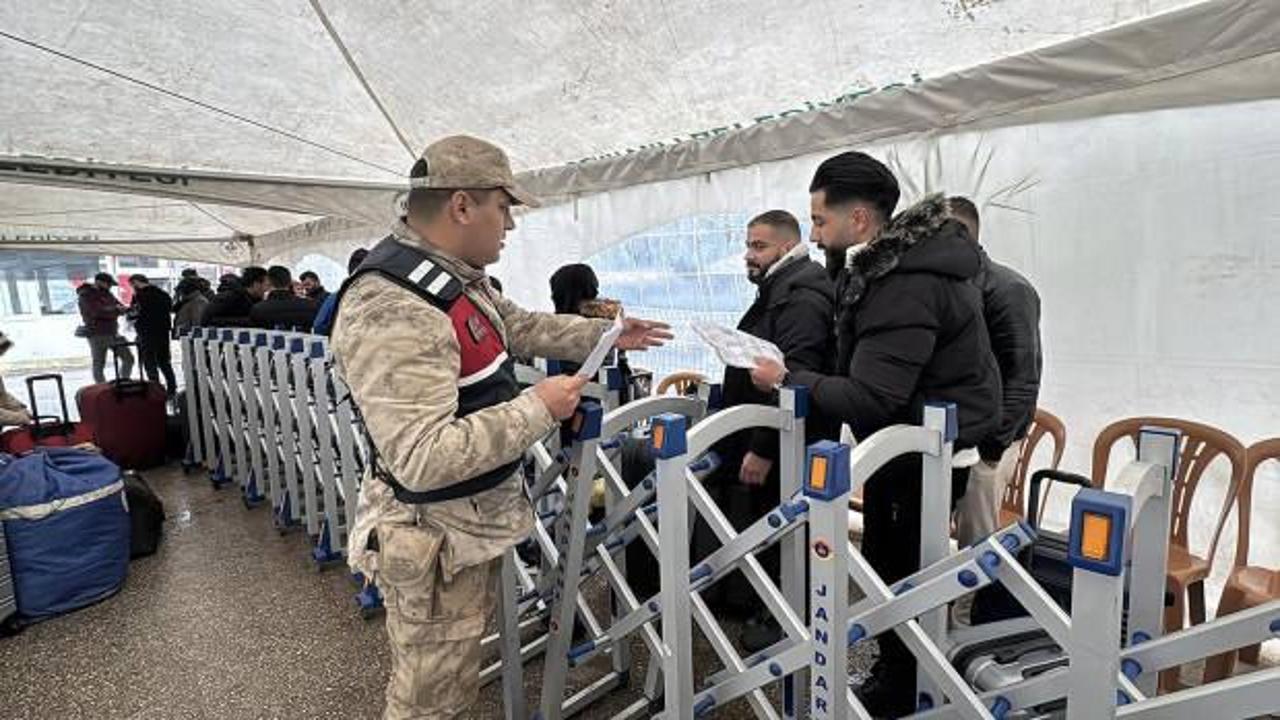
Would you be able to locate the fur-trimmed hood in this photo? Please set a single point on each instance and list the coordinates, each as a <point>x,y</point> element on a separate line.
<point>922,238</point>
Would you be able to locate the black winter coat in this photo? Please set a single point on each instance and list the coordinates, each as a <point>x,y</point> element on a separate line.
<point>793,310</point>
<point>282,310</point>
<point>1011,308</point>
<point>910,329</point>
<point>229,308</point>
<point>152,306</point>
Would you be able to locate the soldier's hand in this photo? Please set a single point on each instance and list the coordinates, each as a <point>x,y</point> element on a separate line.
<point>560,394</point>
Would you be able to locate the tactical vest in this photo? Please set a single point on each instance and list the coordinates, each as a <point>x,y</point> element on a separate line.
<point>487,375</point>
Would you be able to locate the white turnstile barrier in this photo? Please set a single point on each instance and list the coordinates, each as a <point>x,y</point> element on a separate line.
<point>267,411</point>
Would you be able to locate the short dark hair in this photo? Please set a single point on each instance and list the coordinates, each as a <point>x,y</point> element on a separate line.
<point>280,277</point>
<point>309,275</point>
<point>357,257</point>
<point>426,203</point>
<point>190,272</point>
<point>779,220</point>
<point>963,209</point>
<point>252,275</point>
<point>854,175</point>
<point>139,278</point>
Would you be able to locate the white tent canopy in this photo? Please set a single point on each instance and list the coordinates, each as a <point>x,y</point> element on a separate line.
<point>318,108</point>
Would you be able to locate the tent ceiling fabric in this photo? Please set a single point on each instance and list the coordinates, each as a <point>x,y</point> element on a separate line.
<point>322,89</point>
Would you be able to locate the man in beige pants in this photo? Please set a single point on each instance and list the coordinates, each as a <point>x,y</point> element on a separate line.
<point>1011,310</point>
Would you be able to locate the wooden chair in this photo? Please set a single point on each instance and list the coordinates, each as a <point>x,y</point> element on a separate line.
<point>1248,585</point>
<point>1186,571</point>
<point>1013,506</point>
<point>682,381</point>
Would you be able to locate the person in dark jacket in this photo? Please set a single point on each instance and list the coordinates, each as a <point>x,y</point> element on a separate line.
<point>282,309</point>
<point>235,298</point>
<point>313,287</point>
<point>101,311</point>
<point>909,329</point>
<point>793,309</point>
<point>1011,310</point>
<point>575,290</point>
<point>150,311</point>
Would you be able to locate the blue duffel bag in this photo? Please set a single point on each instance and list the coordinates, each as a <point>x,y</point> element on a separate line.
<point>67,522</point>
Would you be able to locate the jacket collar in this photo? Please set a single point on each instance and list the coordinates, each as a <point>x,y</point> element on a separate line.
<point>882,255</point>
<point>799,251</point>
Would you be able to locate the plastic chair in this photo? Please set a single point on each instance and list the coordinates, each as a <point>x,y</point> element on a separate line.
<point>1247,585</point>
<point>1186,571</point>
<point>682,381</point>
<point>1013,506</point>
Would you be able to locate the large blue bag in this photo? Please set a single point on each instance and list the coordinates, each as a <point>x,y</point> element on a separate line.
<point>67,522</point>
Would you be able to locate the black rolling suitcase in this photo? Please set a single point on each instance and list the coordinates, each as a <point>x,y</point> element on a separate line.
<point>146,516</point>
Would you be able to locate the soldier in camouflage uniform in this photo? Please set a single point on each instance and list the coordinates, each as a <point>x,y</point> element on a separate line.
<point>425,353</point>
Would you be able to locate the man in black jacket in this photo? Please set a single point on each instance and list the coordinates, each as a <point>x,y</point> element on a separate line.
<point>150,311</point>
<point>282,309</point>
<point>315,289</point>
<point>793,309</point>
<point>1011,310</point>
<point>231,305</point>
<point>909,329</point>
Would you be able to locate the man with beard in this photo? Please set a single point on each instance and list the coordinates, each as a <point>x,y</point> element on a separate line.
<point>909,330</point>
<point>793,309</point>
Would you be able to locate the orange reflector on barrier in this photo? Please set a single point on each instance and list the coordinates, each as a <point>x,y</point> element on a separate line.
<point>659,434</point>
<point>1095,538</point>
<point>818,473</point>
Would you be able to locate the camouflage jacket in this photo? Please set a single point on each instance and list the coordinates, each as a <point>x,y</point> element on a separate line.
<point>401,359</point>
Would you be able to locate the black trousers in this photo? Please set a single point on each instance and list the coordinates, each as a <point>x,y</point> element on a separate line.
<point>155,356</point>
<point>891,545</point>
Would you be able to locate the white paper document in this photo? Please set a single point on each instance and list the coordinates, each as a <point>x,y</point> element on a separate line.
<point>734,347</point>
<point>592,364</point>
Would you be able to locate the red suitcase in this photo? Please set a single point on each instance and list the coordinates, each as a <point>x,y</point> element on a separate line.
<point>128,420</point>
<point>46,430</point>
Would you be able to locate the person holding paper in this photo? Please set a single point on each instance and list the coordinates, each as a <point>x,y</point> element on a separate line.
<point>423,343</point>
<point>793,309</point>
<point>575,290</point>
<point>909,330</point>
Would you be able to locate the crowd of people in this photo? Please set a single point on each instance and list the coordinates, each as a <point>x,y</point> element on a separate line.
<point>265,298</point>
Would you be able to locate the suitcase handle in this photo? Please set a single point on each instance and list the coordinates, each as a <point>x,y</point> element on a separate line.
<point>62,395</point>
<point>1033,502</point>
<point>43,426</point>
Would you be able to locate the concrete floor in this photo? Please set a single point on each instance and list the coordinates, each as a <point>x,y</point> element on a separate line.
<point>231,620</point>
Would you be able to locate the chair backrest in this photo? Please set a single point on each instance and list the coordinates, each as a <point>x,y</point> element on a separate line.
<point>1044,423</point>
<point>1201,445</point>
<point>681,381</point>
<point>1258,453</point>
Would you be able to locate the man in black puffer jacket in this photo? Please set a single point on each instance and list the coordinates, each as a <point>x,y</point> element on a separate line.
<point>909,329</point>
<point>793,309</point>
<point>235,298</point>
<point>282,310</point>
<point>1011,308</point>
